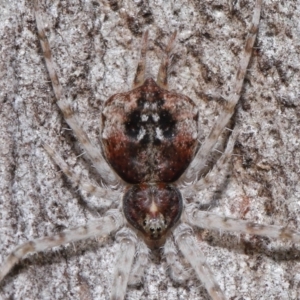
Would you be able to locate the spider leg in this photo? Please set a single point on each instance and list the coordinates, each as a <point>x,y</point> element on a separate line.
<point>140,264</point>
<point>215,178</point>
<point>141,68</point>
<point>192,172</point>
<point>128,240</point>
<point>177,271</point>
<point>210,220</point>
<point>189,248</point>
<point>100,227</point>
<point>162,76</point>
<point>108,197</point>
<point>64,104</point>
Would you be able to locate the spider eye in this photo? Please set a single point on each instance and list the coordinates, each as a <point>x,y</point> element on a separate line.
<point>152,209</point>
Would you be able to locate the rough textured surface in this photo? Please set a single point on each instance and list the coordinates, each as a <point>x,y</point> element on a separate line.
<point>95,45</point>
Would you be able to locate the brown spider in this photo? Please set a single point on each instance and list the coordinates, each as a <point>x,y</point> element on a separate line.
<point>151,165</point>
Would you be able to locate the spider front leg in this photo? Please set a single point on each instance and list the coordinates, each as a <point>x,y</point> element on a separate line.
<point>208,220</point>
<point>188,247</point>
<point>195,168</point>
<point>93,152</point>
<point>140,264</point>
<point>177,271</point>
<point>101,227</point>
<point>128,241</point>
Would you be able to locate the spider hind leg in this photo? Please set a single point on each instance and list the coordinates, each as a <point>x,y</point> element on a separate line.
<point>196,167</point>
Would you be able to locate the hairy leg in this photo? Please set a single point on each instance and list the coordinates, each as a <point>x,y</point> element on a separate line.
<point>93,152</point>
<point>100,227</point>
<point>107,197</point>
<point>188,247</point>
<point>215,178</point>
<point>196,167</point>
<point>141,262</point>
<point>128,240</point>
<point>177,271</point>
<point>208,220</point>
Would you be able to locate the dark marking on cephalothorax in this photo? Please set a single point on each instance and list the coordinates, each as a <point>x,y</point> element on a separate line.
<point>149,134</point>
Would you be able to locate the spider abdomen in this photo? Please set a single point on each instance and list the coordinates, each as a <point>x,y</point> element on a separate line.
<point>149,134</point>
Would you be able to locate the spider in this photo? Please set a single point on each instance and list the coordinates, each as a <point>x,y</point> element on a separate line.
<point>138,216</point>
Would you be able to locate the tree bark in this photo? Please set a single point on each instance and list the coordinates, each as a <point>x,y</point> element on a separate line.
<point>96,48</point>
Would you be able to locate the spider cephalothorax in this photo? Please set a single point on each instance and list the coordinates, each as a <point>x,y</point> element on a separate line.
<point>153,209</point>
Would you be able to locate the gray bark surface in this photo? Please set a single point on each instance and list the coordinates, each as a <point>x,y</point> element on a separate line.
<point>96,46</point>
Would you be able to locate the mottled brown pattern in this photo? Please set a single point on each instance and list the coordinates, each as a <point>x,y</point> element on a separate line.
<point>154,150</point>
<point>152,208</point>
